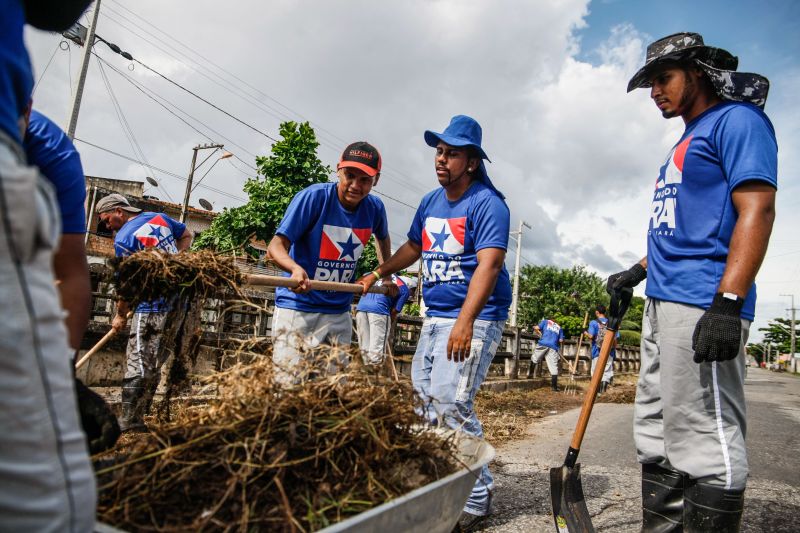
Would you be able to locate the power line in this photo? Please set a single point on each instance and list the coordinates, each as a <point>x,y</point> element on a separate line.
<point>41,76</point>
<point>149,93</point>
<point>167,172</point>
<point>411,182</point>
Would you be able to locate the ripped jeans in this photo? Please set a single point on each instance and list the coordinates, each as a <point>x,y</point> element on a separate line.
<point>448,388</point>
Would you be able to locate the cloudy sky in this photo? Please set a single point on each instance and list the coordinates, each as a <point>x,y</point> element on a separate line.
<point>574,153</point>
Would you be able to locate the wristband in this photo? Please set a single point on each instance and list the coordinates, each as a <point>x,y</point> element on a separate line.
<point>376,274</point>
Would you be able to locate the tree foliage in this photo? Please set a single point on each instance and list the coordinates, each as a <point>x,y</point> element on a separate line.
<point>291,166</point>
<point>565,295</point>
<point>778,334</point>
<point>368,260</point>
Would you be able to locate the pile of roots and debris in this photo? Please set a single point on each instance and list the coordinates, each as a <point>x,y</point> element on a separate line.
<point>260,457</point>
<point>182,282</point>
<point>152,274</point>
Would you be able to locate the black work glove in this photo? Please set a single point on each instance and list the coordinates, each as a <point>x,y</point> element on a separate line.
<point>627,278</point>
<point>97,420</point>
<point>718,333</point>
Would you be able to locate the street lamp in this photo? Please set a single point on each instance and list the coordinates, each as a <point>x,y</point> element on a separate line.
<point>515,293</point>
<point>194,167</point>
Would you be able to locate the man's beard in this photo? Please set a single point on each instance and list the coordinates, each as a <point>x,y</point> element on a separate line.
<point>689,93</point>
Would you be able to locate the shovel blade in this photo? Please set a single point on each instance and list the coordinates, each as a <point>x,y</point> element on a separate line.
<point>570,514</point>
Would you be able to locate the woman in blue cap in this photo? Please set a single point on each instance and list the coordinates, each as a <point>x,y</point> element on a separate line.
<point>461,232</point>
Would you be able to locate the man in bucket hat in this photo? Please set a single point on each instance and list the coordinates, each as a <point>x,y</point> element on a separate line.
<point>461,232</point>
<point>323,233</point>
<point>711,218</point>
<point>145,353</point>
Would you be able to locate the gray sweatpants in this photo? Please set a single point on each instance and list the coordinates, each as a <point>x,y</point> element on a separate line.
<point>46,480</point>
<point>550,355</point>
<point>299,337</point>
<point>689,417</point>
<point>608,371</point>
<point>373,336</point>
<point>146,352</point>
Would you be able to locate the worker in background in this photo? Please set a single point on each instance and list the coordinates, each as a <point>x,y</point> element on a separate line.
<point>375,315</point>
<point>597,332</point>
<point>145,353</point>
<point>549,348</point>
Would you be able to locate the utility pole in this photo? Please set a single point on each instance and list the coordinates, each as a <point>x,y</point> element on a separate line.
<point>515,294</point>
<point>794,340</point>
<point>194,167</point>
<point>87,54</point>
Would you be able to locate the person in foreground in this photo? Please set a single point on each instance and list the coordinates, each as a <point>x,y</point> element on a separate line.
<point>711,217</point>
<point>461,232</point>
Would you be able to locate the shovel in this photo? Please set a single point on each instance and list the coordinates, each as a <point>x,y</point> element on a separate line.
<point>570,514</point>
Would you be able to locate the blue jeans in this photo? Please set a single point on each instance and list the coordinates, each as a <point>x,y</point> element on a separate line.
<point>447,389</point>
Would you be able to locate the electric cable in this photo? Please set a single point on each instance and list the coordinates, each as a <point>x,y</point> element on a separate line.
<point>163,171</point>
<point>41,76</point>
<point>155,97</point>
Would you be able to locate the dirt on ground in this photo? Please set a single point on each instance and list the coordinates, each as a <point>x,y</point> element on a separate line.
<point>506,415</point>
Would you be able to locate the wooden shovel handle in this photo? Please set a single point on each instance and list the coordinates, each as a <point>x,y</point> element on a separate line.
<point>280,281</point>
<point>588,402</point>
<point>102,342</point>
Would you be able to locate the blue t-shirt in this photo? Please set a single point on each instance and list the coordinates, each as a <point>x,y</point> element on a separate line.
<point>692,214</point>
<point>149,230</point>
<point>552,334</point>
<point>327,241</point>
<point>450,235</point>
<point>16,76</point>
<point>597,330</point>
<point>382,304</point>
<point>50,149</point>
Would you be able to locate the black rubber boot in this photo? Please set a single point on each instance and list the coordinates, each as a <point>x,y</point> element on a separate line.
<point>603,386</point>
<point>710,508</point>
<point>662,499</point>
<point>134,404</point>
<point>554,383</point>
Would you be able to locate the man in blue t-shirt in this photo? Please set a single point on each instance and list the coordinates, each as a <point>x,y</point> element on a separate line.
<point>322,235</point>
<point>146,354</point>
<point>548,348</point>
<point>710,220</point>
<point>375,314</point>
<point>48,148</point>
<point>461,232</point>
<point>597,332</point>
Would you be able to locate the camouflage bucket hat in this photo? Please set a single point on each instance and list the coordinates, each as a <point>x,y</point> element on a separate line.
<point>720,66</point>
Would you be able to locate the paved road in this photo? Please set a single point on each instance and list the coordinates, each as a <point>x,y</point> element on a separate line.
<point>611,475</point>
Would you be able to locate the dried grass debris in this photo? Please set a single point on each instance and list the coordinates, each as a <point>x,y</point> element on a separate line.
<point>261,457</point>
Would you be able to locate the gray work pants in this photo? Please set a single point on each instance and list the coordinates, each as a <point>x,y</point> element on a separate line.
<point>373,336</point>
<point>299,339</point>
<point>550,356</point>
<point>689,417</point>
<point>608,371</point>
<point>46,480</point>
<point>146,352</point>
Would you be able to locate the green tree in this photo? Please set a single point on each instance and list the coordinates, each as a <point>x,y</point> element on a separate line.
<point>368,260</point>
<point>547,291</point>
<point>292,166</point>
<point>565,295</point>
<point>778,334</point>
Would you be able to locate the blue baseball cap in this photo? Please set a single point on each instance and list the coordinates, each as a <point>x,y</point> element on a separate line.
<point>464,131</point>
